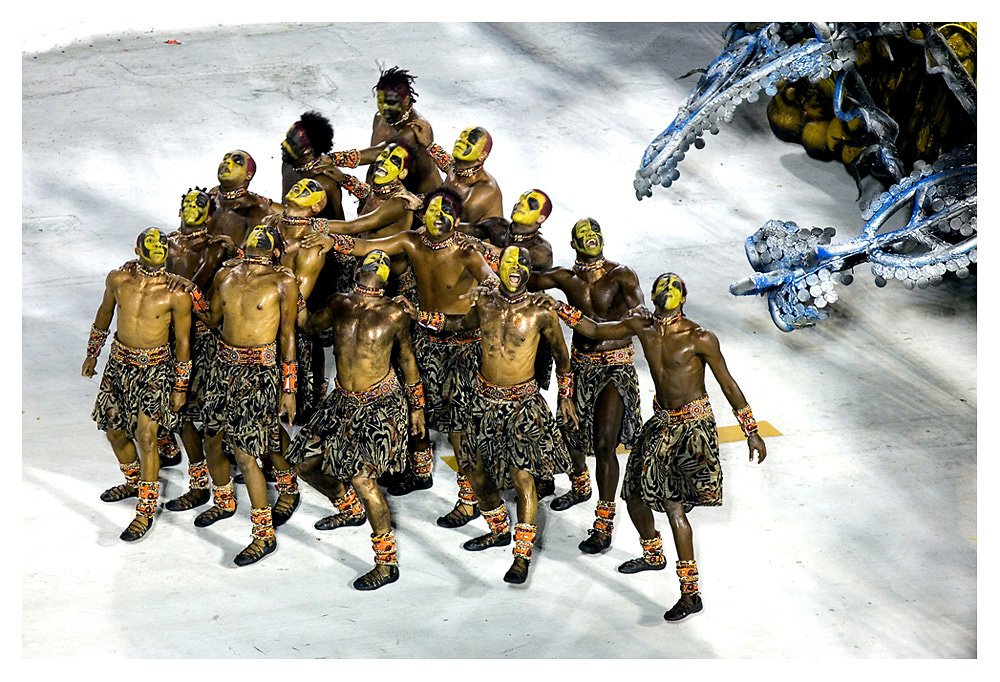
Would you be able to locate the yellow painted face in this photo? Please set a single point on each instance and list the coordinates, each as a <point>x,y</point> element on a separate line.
<point>587,238</point>
<point>233,167</point>
<point>470,144</point>
<point>668,292</point>
<point>390,165</point>
<point>153,247</point>
<point>306,193</point>
<point>378,262</point>
<point>194,208</point>
<point>391,105</point>
<point>514,268</point>
<point>528,209</point>
<point>261,238</point>
<point>439,218</point>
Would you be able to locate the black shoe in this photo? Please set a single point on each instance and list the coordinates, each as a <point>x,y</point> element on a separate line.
<point>487,541</point>
<point>597,541</point>
<point>388,480</point>
<point>252,553</point>
<point>119,493</point>
<point>518,571</point>
<point>189,500</point>
<point>410,484</point>
<point>544,487</point>
<point>373,579</point>
<point>170,459</point>
<point>681,610</point>
<point>457,518</point>
<point>641,564</point>
<point>210,516</point>
<point>136,529</point>
<point>340,521</point>
<point>564,502</point>
<point>282,511</point>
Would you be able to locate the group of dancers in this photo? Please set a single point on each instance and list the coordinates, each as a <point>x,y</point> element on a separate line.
<point>436,310</point>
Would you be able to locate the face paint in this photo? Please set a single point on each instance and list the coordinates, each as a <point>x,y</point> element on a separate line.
<point>439,218</point>
<point>378,262</point>
<point>233,168</point>
<point>514,268</point>
<point>587,238</point>
<point>668,292</point>
<point>389,164</point>
<point>153,247</point>
<point>292,149</point>
<point>470,144</point>
<point>306,193</point>
<point>528,209</point>
<point>261,238</point>
<point>194,208</point>
<point>391,105</point>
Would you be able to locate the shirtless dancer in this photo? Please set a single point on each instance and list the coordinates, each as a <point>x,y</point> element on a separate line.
<point>512,436</point>
<point>305,155</point>
<point>479,191</point>
<point>606,386</point>
<point>446,267</point>
<point>524,229</point>
<point>396,118</point>
<point>360,430</point>
<point>675,464</point>
<point>254,299</point>
<point>143,384</point>
<point>237,208</point>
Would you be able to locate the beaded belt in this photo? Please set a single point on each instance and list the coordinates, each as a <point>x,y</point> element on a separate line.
<point>696,409</point>
<point>141,357</point>
<point>386,386</point>
<point>450,338</point>
<point>506,393</point>
<point>616,356</point>
<point>254,355</point>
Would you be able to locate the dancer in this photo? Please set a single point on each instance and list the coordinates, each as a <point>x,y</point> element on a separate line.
<point>237,209</point>
<point>304,155</point>
<point>144,384</point>
<point>479,191</point>
<point>606,386</point>
<point>675,464</point>
<point>512,435</point>
<point>445,267</point>
<point>254,300</point>
<point>360,430</point>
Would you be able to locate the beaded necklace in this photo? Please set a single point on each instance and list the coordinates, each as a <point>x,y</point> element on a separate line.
<point>234,193</point>
<point>152,272</point>
<point>305,168</point>
<point>468,172</point>
<point>391,188</point>
<point>581,266</point>
<point>192,235</point>
<point>668,320</point>
<point>517,298</point>
<point>258,260</point>
<point>367,291</point>
<point>436,246</point>
<point>520,238</point>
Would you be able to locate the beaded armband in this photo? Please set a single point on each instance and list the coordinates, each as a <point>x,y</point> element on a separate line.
<point>182,375</point>
<point>492,259</point>
<point>300,304</point>
<point>565,382</point>
<point>441,158</point>
<point>288,374</point>
<point>342,243</point>
<point>198,302</point>
<point>746,420</point>
<point>415,395</point>
<point>433,321</point>
<point>569,315</point>
<point>96,342</point>
<point>490,284</point>
<point>349,159</point>
<point>361,190</point>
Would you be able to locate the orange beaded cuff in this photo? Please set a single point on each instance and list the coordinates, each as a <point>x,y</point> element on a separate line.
<point>441,158</point>
<point>96,342</point>
<point>747,422</point>
<point>433,321</point>
<point>415,395</point>
<point>289,370</point>
<point>182,375</point>
<point>263,528</point>
<point>385,548</point>
<point>524,539</point>
<point>198,301</point>
<point>569,315</point>
<point>361,190</point>
<point>349,159</point>
<point>565,382</point>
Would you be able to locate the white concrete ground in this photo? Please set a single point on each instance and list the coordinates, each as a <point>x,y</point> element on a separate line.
<point>855,539</point>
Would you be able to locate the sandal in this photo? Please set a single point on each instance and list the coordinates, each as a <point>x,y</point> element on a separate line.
<point>641,564</point>
<point>139,526</point>
<point>283,509</point>
<point>597,541</point>
<point>374,579</point>
<point>119,493</point>
<point>253,552</point>
<point>457,518</point>
<point>683,610</point>
<point>518,571</point>
<point>340,521</point>
<point>487,541</point>
<point>189,500</point>
<point>210,516</point>
<point>573,497</point>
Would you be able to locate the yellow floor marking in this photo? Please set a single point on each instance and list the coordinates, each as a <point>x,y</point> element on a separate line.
<point>727,434</point>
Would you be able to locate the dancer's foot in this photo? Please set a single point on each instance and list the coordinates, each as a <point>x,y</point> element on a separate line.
<point>410,484</point>
<point>382,574</point>
<point>641,564</point>
<point>684,607</point>
<point>518,571</point>
<point>210,516</point>
<point>140,524</point>
<point>573,497</point>
<point>284,507</point>
<point>340,521</point>
<point>119,492</point>
<point>255,551</point>
<point>189,500</point>
<point>487,541</point>
<point>459,516</point>
<point>597,541</point>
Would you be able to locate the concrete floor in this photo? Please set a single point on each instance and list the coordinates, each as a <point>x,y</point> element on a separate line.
<point>855,539</point>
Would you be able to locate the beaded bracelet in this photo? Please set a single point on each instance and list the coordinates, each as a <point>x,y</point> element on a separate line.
<point>568,314</point>
<point>433,321</point>
<point>492,259</point>
<point>565,382</point>
<point>96,342</point>
<point>441,158</point>
<point>349,159</point>
<point>747,422</point>
<point>288,375</point>
<point>343,243</point>
<point>300,304</point>
<point>182,375</point>
<point>491,284</point>
<point>198,301</point>
<point>415,395</point>
<point>361,190</point>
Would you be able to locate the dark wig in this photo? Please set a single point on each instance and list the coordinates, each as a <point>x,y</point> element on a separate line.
<point>317,131</point>
<point>395,78</point>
